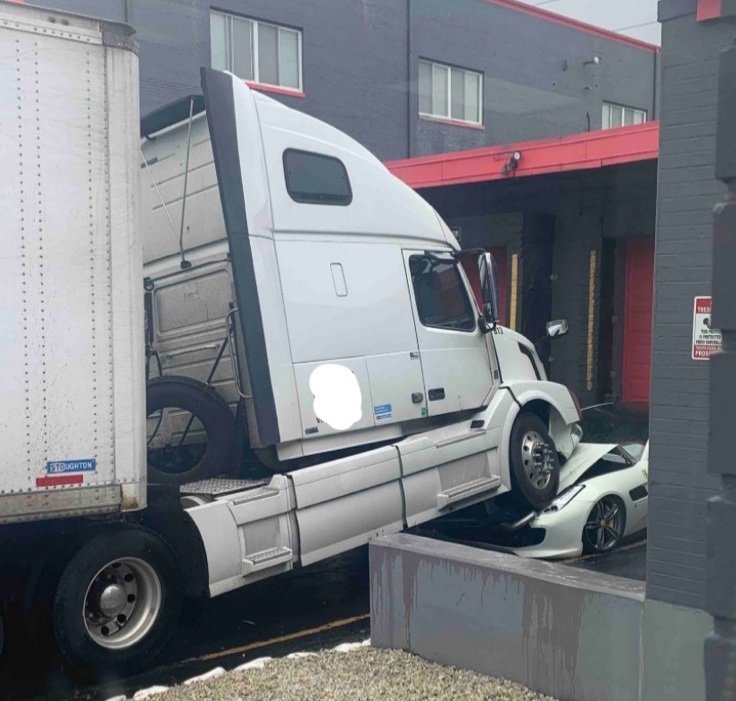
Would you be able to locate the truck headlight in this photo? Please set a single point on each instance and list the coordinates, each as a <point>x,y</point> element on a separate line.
<point>562,500</point>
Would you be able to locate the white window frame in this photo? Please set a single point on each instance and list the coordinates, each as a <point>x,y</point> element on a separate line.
<point>606,115</point>
<point>229,16</point>
<point>448,117</point>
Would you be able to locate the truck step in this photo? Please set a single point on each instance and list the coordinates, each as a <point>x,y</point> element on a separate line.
<point>220,486</point>
<point>467,490</point>
<point>266,558</point>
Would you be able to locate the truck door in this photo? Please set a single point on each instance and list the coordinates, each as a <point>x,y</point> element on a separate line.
<point>455,361</point>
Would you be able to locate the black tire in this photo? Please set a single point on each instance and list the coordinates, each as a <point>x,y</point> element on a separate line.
<point>535,466</point>
<point>87,632</point>
<point>210,409</point>
<point>600,538</point>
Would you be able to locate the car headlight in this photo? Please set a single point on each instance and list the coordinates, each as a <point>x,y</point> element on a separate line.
<point>562,500</point>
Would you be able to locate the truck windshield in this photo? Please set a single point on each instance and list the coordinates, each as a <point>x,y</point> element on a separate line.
<point>442,300</point>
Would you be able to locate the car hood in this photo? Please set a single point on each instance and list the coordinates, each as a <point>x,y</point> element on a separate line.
<point>585,456</point>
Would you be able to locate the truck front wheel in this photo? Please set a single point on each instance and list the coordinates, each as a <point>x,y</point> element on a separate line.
<point>535,467</point>
<point>117,601</point>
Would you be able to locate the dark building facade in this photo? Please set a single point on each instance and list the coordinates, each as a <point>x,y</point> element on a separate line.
<point>540,74</point>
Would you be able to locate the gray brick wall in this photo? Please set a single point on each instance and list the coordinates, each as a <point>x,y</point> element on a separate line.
<point>360,65</point>
<point>688,192</point>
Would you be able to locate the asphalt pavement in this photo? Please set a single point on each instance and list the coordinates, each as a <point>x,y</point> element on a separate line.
<point>311,608</point>
<point>629,561</point>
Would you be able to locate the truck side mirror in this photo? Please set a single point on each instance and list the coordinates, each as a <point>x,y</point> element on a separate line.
<point>489,287</point>
<point>558,327</point>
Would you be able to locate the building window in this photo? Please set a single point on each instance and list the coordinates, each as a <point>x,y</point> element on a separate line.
<point>442,301</point>
<point>450,92</point>
<point>620,116</point>
<point>313,178</point>
<point>257,51</point>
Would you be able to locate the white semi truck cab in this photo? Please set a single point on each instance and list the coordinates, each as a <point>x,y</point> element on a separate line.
<point>287,273</point>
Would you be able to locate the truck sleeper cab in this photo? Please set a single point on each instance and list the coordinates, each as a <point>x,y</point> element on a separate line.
<point>340,278</point>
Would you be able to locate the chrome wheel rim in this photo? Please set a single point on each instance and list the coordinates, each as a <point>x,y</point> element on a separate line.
<point>122,603</point>
<point>604,527</point>
<point>537,456</point>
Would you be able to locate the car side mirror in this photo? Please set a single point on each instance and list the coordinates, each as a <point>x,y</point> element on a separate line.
<point>556,328</point>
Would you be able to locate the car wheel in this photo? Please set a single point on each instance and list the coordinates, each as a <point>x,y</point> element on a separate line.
<point>117,601</point>
<point>535,467</point>
<point>605,526</point>
<point>190,430</point>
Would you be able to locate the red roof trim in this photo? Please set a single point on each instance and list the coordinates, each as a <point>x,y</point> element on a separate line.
<point>709,9</point>
<point>575,24</point>
<point>276,89</point>
<point>586,151</point>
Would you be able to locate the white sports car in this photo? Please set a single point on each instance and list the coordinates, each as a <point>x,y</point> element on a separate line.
<point>602,499</point>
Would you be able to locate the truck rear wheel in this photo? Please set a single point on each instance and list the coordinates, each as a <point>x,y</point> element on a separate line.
<point>535,467</point>
<point>117,601</point>
<point>191,431</point>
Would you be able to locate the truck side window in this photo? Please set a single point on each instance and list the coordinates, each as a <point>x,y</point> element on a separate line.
<point>313,178</point>
<point>442,300</point>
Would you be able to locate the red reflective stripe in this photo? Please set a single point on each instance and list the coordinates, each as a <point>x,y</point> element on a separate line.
<point>58,480</point>
<point>549,16</point>
<point>585,151</point>
<point>709,9</point>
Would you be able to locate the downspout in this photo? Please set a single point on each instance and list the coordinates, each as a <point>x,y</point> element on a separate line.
<point>409,102</point>
<point>655,95</point>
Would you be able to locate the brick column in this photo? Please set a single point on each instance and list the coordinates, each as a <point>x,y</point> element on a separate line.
<point>720,647</point>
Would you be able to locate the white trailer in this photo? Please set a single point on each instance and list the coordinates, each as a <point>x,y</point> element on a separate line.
<point>363,345</point>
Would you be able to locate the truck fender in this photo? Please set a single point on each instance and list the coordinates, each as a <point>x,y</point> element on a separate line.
<point>553,403</point>
<point>166,517</point>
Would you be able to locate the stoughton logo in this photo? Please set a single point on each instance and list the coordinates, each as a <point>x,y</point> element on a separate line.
<point>59,467</point>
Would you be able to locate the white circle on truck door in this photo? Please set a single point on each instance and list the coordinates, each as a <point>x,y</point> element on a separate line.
<point>337,396</point>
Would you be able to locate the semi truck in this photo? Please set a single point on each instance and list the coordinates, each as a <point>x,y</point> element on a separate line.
<point>293,287</point>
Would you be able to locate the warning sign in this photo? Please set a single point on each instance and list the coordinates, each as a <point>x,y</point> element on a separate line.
<point>706,339</point>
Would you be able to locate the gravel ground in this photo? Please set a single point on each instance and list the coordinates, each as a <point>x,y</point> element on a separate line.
<point>367,674</point>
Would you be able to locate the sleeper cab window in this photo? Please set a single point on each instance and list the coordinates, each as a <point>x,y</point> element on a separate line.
<point>313,178</point>
<point>441,297</point>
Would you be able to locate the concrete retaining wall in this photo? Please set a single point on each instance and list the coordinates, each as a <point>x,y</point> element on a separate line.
<point>573,634</point>
<point>565,632</point>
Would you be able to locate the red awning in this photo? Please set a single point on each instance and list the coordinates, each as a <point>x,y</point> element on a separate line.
<point>586,151</point>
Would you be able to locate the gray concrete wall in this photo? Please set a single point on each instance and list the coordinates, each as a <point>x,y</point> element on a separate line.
<point>567,633</point>
<point>672,652</point>
<point>573,634</point>
<point>360,65</point>
<point>688,191</point>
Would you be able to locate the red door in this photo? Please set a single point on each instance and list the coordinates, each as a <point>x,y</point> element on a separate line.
<point>638,320</point>
<point>499,255</point>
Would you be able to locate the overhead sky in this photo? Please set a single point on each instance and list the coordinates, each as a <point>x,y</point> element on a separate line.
<point>637,18</point>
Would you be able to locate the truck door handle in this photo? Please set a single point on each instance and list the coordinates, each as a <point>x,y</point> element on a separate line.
<point>437,393</point>
<point>417,397</point>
